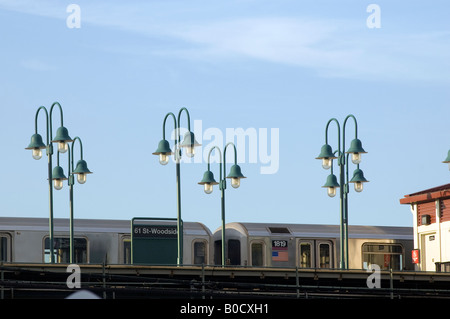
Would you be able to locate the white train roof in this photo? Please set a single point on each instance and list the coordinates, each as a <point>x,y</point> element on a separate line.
<point>91,225</point>
<point>318,231</point>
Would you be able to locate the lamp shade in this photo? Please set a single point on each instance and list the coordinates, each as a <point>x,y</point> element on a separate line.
<point>36,142</point>
<point>208,178</point>
<point>58,173</point>
<point>163,148</point>
<point>331,181</point>
<point>189,140</point>
<point>356,147</point>
<point>331,185</point>
<point>447,160</point>
<point>326,152</point>
<point>62,135</point>
<point>81,168</point>
<point>358,177</point>
<point>235,172</point>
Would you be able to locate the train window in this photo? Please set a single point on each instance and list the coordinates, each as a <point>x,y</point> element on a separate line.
<point>4,248</point>
<point>386,256</point>
<point>257,254</point>
<point>324,255</point>
<point>305,255</point>
<point>126,244</point>
<point>61,250</point>
<point>200,253</point>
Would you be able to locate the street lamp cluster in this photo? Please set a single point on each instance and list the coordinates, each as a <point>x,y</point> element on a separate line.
<point>164,151</point>
<point>56,174</point>
<point>208,182</point>
<point>327,155</point>
<point>189,143</point>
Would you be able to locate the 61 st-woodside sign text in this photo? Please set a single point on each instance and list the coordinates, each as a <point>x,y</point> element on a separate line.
<point>155,231</point>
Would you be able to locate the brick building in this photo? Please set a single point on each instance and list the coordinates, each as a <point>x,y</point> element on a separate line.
<point>431,222</point>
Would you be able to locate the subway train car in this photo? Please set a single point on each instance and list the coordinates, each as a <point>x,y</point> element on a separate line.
<point>314,246</point>
<point>95,241</point>
<point>248,244</point>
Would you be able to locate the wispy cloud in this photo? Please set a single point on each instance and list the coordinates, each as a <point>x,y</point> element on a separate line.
<point>332,48</point>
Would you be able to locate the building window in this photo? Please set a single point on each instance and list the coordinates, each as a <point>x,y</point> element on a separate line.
<point>305,255</point>
<point>386,256</point>
<point>257,254</point>
<point>200,253</point>
<point>61,250</point>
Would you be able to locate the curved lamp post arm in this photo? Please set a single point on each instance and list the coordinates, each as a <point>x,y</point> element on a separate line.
<point>225,151</point>
<point>174,124</point>
<point>340,162</point>
<point>177,138</point>
<point>343,137</point>
<point>339,132</point>
<point>220,163</point>
<point>224,159</point>
<point>60,112</point>
<point>188,118</point>
<point>81,148</point>
<point>356,125</point>
<point>71,156</point>
<point>36,121</point>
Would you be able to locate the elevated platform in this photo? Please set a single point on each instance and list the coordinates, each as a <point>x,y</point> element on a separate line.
<point>137,281</point>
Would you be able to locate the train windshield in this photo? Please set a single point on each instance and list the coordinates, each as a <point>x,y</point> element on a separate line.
<point>386,256</point>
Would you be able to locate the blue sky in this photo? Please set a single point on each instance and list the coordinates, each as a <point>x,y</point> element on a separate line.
<point>284,66</point>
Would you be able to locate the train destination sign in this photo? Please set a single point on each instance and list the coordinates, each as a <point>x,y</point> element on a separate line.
<point>155,231</point>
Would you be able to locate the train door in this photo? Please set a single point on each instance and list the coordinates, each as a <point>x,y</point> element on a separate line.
<point>233,251</point>
<point>306,254</point>
<point>5,247</point>
<point>315,253</point>
<point>324,257</point>
<point>257,253</point>
<point>124,249</point>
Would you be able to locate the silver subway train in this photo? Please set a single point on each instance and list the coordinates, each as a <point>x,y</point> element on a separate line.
<point>26,240</point>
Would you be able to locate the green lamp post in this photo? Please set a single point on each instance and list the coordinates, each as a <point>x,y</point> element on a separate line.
<point>447,160</point>
<point>81,171</point>
<point>327,155</point>
<point>164,151</point>
<point>208,182</point>
<point>37,145</point>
